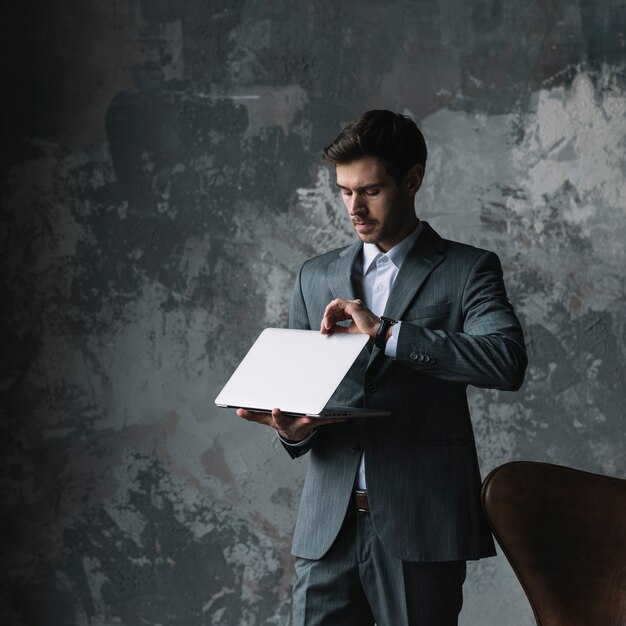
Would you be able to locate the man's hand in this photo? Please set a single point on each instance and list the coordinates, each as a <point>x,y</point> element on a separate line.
<point>363,320</point>
<point>292,428</point>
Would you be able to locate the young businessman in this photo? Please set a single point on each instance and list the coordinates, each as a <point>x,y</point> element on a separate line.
<point>390,510</point>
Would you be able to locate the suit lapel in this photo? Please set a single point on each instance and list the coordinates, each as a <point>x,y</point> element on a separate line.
<point>423,258</point>
<point>340,272</point>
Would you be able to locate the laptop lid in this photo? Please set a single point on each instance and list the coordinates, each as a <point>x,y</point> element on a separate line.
<point>294,370</point>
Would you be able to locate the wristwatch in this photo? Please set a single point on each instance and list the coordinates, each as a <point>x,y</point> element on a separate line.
<point>381,336</point>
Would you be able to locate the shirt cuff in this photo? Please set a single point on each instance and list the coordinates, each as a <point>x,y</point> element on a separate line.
<point>392,343</point>
<point>296,444</point>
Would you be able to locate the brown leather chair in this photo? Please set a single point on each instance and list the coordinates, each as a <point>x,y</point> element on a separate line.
<point>564,533</point>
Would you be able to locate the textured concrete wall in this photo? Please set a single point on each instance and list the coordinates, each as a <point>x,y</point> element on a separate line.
<point>161,185</point>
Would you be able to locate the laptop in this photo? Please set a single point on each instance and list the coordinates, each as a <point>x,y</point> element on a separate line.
<point>296,371</point>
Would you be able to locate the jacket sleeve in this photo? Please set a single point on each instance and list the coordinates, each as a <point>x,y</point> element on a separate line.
<point>489,352</point>
<point>298,318</point>
<point>296,449</point>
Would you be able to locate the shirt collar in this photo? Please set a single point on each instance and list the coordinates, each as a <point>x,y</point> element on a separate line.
<point>397,254</point>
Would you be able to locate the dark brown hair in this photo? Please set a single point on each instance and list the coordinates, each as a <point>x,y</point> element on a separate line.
<point>392,138</point>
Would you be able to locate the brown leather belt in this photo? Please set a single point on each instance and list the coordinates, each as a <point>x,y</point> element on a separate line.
<point>360,501</point>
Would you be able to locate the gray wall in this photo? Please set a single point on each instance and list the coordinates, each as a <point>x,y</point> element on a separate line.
<point>161,185</point>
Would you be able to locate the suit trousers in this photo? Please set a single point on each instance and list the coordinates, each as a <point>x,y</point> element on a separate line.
<point>359,583</point>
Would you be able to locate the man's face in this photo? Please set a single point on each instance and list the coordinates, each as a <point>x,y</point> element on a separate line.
<point>381,211</point>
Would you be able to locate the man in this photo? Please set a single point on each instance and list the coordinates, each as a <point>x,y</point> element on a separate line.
<point>390,510</point>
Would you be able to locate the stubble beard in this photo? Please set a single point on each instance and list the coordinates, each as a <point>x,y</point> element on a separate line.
<point>378,232</point>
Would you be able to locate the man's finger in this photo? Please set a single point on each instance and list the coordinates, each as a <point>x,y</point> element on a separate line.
<point>284,422</point>
<point>334,311</point>
<point>253,416</point>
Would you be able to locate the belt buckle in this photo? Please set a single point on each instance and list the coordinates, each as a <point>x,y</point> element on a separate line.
<point>358,494</point>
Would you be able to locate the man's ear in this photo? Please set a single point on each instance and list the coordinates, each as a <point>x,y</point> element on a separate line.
<point>413,179</point>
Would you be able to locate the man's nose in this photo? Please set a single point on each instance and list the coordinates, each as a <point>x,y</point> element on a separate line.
<point>357,204</point>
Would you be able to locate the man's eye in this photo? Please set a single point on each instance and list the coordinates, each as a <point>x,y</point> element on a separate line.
<point>371,192</point>
<point>346,193</point>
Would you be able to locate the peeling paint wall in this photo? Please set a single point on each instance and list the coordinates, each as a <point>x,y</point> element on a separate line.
<point>161,185</point>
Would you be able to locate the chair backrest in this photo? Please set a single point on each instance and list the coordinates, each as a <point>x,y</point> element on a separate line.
<point>564,533</point>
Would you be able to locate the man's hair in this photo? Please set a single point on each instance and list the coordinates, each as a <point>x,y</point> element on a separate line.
<point>392,138</point>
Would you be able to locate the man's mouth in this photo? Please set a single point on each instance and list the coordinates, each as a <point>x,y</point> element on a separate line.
<point>364,228</point>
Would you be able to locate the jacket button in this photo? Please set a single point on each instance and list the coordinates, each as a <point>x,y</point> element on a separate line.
<point>355,447</point>
<point>413,355</point>
<point>371,387</point>
<point>420,357</point>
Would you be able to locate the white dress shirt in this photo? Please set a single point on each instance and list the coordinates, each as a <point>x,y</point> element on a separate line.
<point>378,275</point>
<point>373,277</point>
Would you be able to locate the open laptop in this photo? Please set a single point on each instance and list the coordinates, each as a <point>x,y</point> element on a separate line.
<point>296,371</point>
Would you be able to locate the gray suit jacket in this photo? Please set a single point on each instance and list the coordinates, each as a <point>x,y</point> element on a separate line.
<point>423,481</point>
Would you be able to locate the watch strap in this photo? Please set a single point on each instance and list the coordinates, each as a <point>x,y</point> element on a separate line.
<point>381,336</point>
